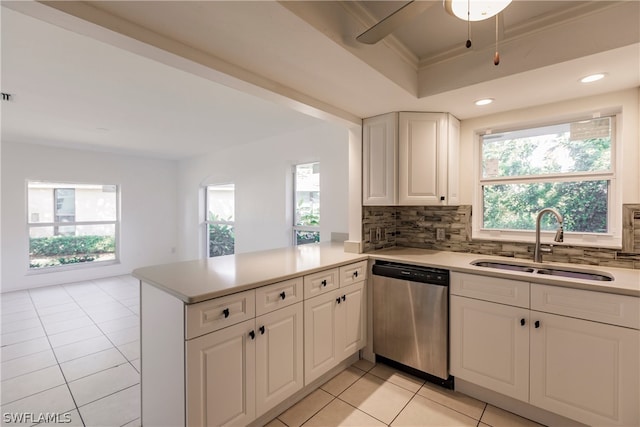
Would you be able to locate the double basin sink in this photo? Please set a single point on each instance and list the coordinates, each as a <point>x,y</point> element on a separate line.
<point>546,270</point>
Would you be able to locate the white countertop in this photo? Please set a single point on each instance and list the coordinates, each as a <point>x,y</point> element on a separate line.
<point>199,280</point>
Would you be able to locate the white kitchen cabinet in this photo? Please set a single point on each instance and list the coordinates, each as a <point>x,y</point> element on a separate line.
<point>279,361</point>
<point>334,323</point>
<point>351,320</point>
<point>585,370</point>
<point>411,159</point>
<point>320,330</point>
<point>490,345</point>
<point>237,373</point>
<point>574,365</point>
<point>380,160</point>
<point>221,377</point>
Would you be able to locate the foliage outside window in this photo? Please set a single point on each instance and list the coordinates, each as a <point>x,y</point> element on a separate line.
<point>220,214</point>
<point>71,223</point>
<point>306,183</point>
<point>567,166</point>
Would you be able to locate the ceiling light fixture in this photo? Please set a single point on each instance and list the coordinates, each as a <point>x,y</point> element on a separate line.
<point>475,10</point>
<point>592,78</point>
<point>485,101</point>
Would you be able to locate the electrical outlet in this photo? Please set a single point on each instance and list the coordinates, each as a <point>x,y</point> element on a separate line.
<point>440,234</point>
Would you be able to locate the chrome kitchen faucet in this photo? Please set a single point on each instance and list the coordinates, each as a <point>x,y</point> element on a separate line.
<point>537,253</point>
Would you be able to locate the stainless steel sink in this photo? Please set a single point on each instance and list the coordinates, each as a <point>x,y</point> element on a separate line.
<point>603,277</point>
<point>546,270</point>
<point>504,266</point>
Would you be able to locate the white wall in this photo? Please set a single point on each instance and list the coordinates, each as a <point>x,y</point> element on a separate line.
<point>628,102</point>
<point>148,194</point>
<point>261,172</point>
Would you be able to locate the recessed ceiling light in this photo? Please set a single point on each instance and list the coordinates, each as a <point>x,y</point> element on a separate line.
<point>592,78</point>
<point>485,101</point>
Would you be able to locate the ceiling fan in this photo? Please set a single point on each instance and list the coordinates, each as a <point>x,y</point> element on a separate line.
<point>385,27</point>
<point>467,10</point>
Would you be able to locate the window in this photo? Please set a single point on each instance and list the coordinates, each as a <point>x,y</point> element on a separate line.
<point>220,216</point>
<point>306,202</point>
<point>71,223</point>
<point>568,166</point>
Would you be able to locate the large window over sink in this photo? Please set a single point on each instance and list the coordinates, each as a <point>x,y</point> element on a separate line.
<point>568,166</point>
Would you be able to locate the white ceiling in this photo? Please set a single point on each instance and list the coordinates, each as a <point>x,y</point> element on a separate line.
<point>175,79</point>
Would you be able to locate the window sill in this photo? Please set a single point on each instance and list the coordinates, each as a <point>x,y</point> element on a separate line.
<point>71,267</point>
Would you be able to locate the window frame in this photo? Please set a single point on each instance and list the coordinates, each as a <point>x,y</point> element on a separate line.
<point>610,239</point>
<point>208,222</point>
<point>55,224</point>
<point>303,228</point>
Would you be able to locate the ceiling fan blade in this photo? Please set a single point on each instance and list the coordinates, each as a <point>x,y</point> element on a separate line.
<point>385,27</point>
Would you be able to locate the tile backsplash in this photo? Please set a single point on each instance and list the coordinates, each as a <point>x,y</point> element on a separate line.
<point>418,227</point>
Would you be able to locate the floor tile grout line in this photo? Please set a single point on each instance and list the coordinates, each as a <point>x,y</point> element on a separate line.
<point>27,355</point>
<point>364,412</point>
<point>107,395</point>
<point>405,405</point>
<point>315,413</point>
<point>482,414</point>
<point>454,409</point>
<point>59,367</point>
<point>104,333</point>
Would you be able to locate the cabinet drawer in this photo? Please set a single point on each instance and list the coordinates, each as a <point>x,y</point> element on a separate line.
<point>621,310</point>
<point>353,273</point>
<point>278,295</point>
<point>218,313</point>
<point>503,291</point>
<point>321,282</point>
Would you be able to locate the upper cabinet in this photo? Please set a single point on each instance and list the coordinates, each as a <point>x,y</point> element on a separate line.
<point>411,159</point>
<point>380,160</point>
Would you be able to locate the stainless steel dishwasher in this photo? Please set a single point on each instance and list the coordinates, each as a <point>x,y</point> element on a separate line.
<point>410,316</point>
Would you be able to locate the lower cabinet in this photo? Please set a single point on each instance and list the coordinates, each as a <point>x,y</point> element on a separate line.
<point>490,345</point>
<point>221,377</point>
<point>578,368</point>
<point>585,370</point>
<point>236,374</point>
<point>279,361</point>
<point>334,328</point>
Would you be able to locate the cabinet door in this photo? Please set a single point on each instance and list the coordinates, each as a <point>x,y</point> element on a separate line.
<point>379,147</point>
<point>453,161</point>
<point>221,377</point>
<point>422,159</point>
<point>350,335</point>
<point>585,370</point>
<point>490,345</point>
<point>319,335</point>
<point>279,361</point>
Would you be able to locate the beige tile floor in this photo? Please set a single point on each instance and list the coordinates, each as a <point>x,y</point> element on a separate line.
<point>73,350</point>
<point>377,395</point>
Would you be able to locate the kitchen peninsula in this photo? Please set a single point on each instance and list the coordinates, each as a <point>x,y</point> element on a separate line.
<point>237,339</point>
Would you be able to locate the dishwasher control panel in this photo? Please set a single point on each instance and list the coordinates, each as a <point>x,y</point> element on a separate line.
<point>413,273</point>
